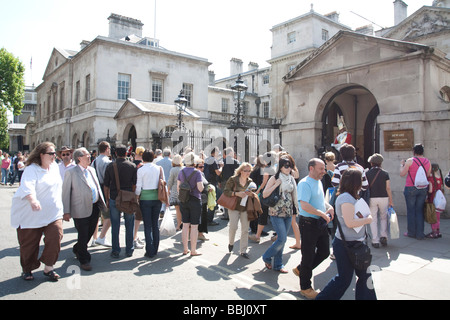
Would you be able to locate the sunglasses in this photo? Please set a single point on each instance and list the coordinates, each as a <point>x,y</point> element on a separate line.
<point>287,165</point>
<point>51,153</point>
<point>200,167</point>
<point>65,154</point>
<point>246,170</point>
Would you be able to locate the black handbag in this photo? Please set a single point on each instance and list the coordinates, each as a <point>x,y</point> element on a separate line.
<point>272,199</point>
<point>358,251</point>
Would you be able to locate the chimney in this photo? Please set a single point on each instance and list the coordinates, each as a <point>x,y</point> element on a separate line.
<point>235,66</point>
<point>120,26</point>
<point>212,78</point>
<point>84,44</point>
<point>252,66</point>
<point>400,11</point>
<point>333,16</point>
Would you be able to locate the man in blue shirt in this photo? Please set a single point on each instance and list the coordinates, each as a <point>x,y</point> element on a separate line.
<point>315,214</point>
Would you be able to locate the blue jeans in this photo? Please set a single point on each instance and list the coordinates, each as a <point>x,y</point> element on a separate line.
<point>415,201</point>
<point>115,228</point>
<point>281,227</point>
<point>150,213</point>
<point>337,286</point>
<point>5,173</point>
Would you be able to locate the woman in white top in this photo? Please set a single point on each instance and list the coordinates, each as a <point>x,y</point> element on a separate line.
<point>147,190</point>
<point>37,209</point>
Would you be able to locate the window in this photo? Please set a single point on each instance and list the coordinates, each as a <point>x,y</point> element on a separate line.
<point>324,35</point>
<point>157,90</point>
<point>87,93</point>
<point>123,86</point>
<point>445,93</point>
<point>244,108</point>
<point>62,97</point>
<point>225,105</point>
<point>77,93</point>
<point>291,37</point>
<point>187,90</point>
<point>266,109</point>
<point>266,79</point>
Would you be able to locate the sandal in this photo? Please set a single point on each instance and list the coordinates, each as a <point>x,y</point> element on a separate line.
<point>432,235</point>
<point>268,265</point>
<point>27,276</point>
<point>282,270</point>
<point>52,275</point>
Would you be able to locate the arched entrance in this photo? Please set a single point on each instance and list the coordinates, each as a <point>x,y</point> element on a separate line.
<point>359,109</point>
<point>131,136</point>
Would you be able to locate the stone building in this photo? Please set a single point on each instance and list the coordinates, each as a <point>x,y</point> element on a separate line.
<point>392,93</point>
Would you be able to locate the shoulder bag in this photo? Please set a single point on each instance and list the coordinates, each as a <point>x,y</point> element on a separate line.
<point>272,199</point>
<point>162,189</point>
<point>358,251</point>
<point>126,200</point>
<point>228,202</point>
<point>429,212</point>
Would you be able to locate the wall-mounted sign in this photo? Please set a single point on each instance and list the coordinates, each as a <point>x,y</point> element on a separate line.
<point>398,140</point>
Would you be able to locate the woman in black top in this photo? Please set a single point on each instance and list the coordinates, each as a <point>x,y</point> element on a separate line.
<point>380,199</point>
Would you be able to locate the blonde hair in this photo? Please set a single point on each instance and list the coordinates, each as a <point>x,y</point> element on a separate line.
<point>238,171</point>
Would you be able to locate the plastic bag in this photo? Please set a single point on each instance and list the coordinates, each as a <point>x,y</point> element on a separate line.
<point>439,200</point>
<point>393,224</point>
<point>167,227</point>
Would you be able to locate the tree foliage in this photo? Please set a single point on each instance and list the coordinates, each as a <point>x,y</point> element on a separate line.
<point>12,91</point>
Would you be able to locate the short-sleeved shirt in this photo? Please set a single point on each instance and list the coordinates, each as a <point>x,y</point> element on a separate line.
<point>196,177</point>
<point>349,233</point>
<point>127,177</point>
<point>377,187</point>
<point>311,191</point>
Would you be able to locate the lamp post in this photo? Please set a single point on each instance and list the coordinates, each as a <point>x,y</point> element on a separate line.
<point>181,103</point>
<point>240,89</point>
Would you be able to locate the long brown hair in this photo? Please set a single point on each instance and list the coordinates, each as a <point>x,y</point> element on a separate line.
<point>350,182</point>
<point>35,155</point>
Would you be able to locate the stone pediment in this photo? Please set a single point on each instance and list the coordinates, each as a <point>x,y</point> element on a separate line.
<point>57,59</point>
<point>348,50</point>
<point>424,22</point>
<point>133,108</point>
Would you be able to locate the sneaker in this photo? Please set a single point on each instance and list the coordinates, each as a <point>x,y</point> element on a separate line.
<point>93,243</point>
<point>309,293</point>
<point>103,242</point>
<point>137,244</point>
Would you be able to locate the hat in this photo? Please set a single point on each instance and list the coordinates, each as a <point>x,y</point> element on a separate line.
<point>376,158</point>
<point>278,147</point>
<point>64,148</point>
<point>140,151</point>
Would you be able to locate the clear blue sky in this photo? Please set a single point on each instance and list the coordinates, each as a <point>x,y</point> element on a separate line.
<point>215,30</point>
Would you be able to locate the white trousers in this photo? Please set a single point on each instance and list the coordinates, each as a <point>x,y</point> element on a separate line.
<point>379,205</point>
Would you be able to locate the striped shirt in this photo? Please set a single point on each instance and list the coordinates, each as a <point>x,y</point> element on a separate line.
<point>343,166</point>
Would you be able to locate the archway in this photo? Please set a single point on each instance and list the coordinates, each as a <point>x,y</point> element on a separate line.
<point>359,109</point>
<point>132,136</point>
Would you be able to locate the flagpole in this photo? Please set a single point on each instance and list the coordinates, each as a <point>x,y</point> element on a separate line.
<point>154,21</point>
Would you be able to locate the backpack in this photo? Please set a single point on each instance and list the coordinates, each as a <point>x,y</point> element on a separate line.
<point>185,188</point>
<point>421,180</point>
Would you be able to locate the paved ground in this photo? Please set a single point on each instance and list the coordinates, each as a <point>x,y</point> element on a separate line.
<point>406,269</point>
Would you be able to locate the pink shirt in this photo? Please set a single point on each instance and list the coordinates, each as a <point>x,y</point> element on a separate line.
<point>6,163</point>
<point>412,170</point>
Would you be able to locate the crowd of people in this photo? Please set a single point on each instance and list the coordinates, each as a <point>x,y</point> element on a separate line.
<point>72,184</point>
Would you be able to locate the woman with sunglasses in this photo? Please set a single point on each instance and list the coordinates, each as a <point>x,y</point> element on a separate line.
<point>37,209</point>
<point>237,185</point>
<point>281,214</point>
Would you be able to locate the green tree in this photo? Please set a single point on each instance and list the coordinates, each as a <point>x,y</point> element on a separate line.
<point>12,91</point>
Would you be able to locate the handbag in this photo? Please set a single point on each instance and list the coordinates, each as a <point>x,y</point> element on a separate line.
<point>272,199</point>
<point>393,224</point>
<point>126,200</point>
<point>162,189</point>
<point>228,202</point>
<point>358,251</point>
<point>429,212</point>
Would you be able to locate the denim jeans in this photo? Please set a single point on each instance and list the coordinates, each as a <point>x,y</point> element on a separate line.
<point>150,213</point>
<point>281,227</point>
<point>337,286</point>
<point>415,200</point>
<point>5,173</point>
<point>115,228</point>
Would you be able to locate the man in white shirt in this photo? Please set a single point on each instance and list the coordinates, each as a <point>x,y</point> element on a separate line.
<point>65,154</point>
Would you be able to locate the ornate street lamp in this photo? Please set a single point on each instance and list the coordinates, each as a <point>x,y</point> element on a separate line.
<point>181,103</point>
<point>240,89</point>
